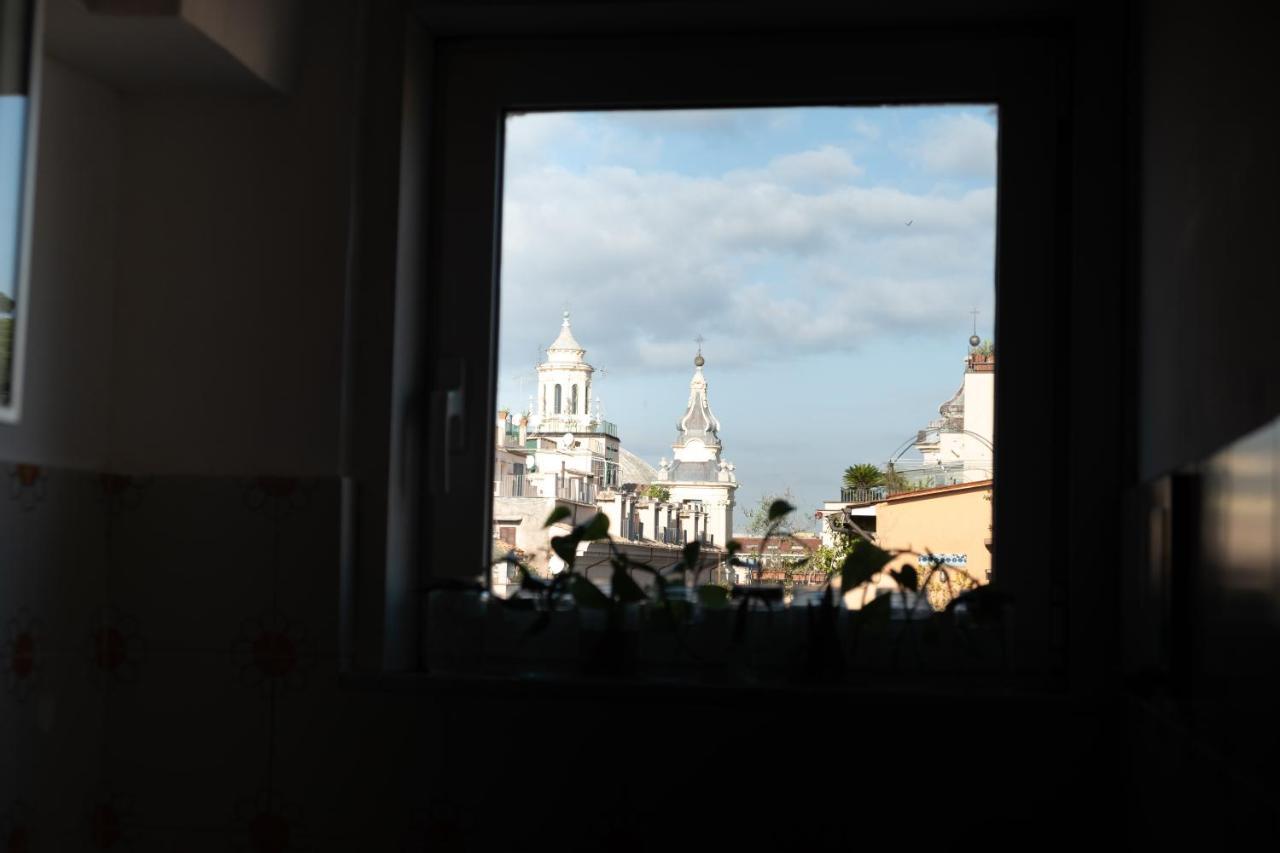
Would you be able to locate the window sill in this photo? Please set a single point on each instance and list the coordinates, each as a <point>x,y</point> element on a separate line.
<point>883,690</point>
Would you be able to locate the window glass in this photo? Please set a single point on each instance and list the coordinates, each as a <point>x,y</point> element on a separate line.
<point>16,21</point>
<point>764,304</point>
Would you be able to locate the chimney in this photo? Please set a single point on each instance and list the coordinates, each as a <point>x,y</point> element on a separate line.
<point>501,427</point>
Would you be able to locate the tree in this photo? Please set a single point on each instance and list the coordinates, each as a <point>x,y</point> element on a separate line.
<point>863,476</point>
<point>658,493</point>
<point>759,522</point>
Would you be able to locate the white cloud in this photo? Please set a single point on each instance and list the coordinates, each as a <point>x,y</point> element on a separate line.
<point>817,168</point>
<point>960,145</point>
<point>702,122</point>
<point>767,264</point>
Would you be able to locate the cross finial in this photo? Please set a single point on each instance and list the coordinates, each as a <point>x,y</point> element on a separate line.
<point>699,340</point>
<point>698,360</point>
<point>974,312</point>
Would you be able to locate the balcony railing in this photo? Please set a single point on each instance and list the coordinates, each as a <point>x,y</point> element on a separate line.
<point>853,496</point>
<point>577,424</point>
<point>512,486</point>
<point>679,536</point>
<point>575,489</point>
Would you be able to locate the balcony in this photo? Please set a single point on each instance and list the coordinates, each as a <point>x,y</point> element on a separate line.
<point>857,496</point>
<point>577,424</point>
<point>577,489</point>
<point>513,486</point>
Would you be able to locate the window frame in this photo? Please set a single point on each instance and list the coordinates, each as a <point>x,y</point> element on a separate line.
<point>11,411</point>
<point>398,370</point>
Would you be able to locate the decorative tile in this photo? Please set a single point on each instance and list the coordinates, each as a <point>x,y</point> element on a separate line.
<point>115,649</point>
<point>184,739</point>
<point>27,485</point>
<point>188,561</point>
<point>305,551</point>
<point>59,549</point>
<point>17,829</point>
<point>348,755</point>
<point>269,822</point>
<point>57,754</point>
<point>25,655</point>
<point>272,652</point>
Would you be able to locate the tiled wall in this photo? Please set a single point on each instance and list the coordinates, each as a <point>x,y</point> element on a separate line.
<point>169,682</point>
<point>169,670</point>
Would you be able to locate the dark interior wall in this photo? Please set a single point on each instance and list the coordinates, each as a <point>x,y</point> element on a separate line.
<point>233,236</point>
<point>1209,179</point>
<point>70,337</point>
<point>189,262</point>
<point>190,253</point>
<point>1202,733</point>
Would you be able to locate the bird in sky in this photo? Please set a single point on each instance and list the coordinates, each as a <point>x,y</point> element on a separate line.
<point>909,221</point>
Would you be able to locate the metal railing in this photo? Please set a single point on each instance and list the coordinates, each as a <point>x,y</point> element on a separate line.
<point>577,424</point>
<point>512,486</point>
<point>576,489</point>
<point>862,495</point>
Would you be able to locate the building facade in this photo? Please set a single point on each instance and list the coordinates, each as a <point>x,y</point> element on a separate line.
<point>959,445</point>
<point>563,454</point>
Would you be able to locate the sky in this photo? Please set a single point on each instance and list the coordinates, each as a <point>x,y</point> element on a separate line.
<point>12,130</point>
<point>830,258</point>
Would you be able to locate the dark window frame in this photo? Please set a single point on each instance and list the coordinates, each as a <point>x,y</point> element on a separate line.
<point>1064,228</point>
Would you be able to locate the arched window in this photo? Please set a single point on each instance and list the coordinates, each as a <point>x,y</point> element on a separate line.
<point>557,399</point>
<point>573,401</point>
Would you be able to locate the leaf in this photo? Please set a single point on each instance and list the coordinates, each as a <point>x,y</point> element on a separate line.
<point>930,633</point>
<point>625,589</point>
<point>779,508</point>
<point>876,613</point>
<point>587,594</point>
<point>733,547</point>
<point>566,547</point>
<point>863,562</point>
<point>680,610</point>
<point>560,513</point>
<point>596,528</point>
<point>907,577</point>
<point>691,552</point>
<point>985,604</point>
<point>530,583</point>
<point>740,620</point>
<point>713,597</point>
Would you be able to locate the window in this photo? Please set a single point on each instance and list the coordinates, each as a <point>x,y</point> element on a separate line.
<point>479,83</point>
<point>17,135</point>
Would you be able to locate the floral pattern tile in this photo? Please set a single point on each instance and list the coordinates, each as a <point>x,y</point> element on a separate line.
<point>168,674</point>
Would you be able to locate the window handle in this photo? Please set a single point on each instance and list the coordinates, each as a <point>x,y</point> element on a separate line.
<point>450,402</point>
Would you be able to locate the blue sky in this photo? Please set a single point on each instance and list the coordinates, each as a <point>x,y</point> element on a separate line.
<point>12,130</point>
<point>833,328</point>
